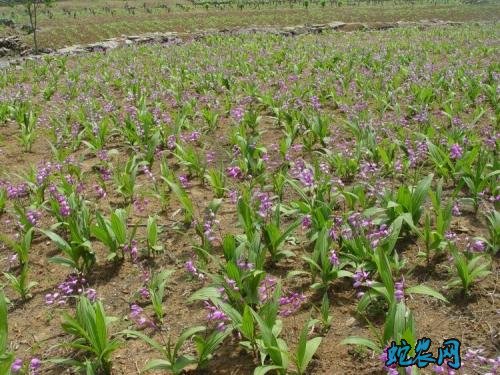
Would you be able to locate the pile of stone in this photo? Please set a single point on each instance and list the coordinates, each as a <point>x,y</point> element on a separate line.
<point>11,46</point>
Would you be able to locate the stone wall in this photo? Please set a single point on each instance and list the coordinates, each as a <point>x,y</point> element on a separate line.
<point>13,46</point>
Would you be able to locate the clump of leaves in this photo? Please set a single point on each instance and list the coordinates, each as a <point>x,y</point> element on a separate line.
<point>90,330</point>
<point>6,357</point>
<point>469,267</point>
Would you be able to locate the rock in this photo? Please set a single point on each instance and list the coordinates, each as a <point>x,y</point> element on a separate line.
<point>336,25</point>
<point>11,46</point>
<point>4,63</point>
<point>71,50</point>
<point>382,25</point>
<point>353,26</point>
<point>350,322</point>
<point>5,52</point>
<point>102,46</point>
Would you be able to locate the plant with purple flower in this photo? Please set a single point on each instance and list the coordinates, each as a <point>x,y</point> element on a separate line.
<point>35,365</point>
<point>264,202</point>
<point>361,279</point>
<point>216,316</point>
<point>290,303</point>
<point>237,113</point>
<point>306,222</point>
<point>234,172</point>
<point>399,292</point>
<point>191,268</point>
<point>476,245</point>
<point>456,151</point>
<point>74,286</point>
<point>17,191</point>
<point>16,366</point>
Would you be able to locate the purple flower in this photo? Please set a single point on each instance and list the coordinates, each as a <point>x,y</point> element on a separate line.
<point>306,222</point>
<point>315,103</point>
<point>456,151</point>
<point>35,365</point>
<point>43,173</point>
<point>141,320</point>
<point>101,193</point>
<point>233,196</point>
<point>140,204</point>
<point>190,268</point>
<point>217,316</point>
<point>306,176</point>
<point>209,226</point>
<point>91,294</point>
<point>171,141</point>
<point>378,234</point>
<point>361,278</point>
<point>265,203</point>
<point>144,293</point>
<point>234,172</point>
<point>399,293</point>
<point>476,246</point>
<point>16,365</point>
<point>132,249</point>
<point>237,113</point>
<point>194,136</point>
<point>17,191</point>
<point>244,265</point>
<point>135,311</point>
<point>148,172</point>
<point>210,157</point>
<point>64,208</point>
<point>266,288</point>
<point>184,180</point>
<point>103,155</point>
<point>105,173</point>
<point>232,284</point>
<point>74,285</point>
<point>421,117</point>
<point>291,303</point>
<point>334,259</point>
<point>450,236</point>
<point>33,217</point>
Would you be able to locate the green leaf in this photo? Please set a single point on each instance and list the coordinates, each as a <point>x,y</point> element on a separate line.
<point>361,341</point>
<point>63,261</point>
<point>311,348</point>
<point>186,334</point>
<point>262,370</point>
<point>119,226</point>
<point>205,294</point>
<point>152,230</point>
<point>3,324</point>
<point>61,244</point>
<point>148,340</point>
<point>158,364</point>
<point>425,290</point>
<point>247,324</point>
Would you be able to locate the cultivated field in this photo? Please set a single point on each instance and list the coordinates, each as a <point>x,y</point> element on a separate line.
<point>251,204</point>
<point>80,21</point>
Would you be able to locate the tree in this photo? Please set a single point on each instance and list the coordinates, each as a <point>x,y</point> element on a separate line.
<point>32,7</point>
